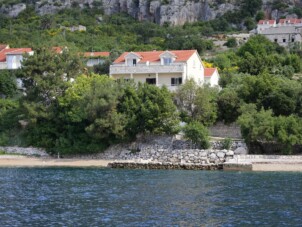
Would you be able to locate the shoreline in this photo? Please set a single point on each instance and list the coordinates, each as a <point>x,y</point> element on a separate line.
<point>24,161</point>
<point>27,161</point>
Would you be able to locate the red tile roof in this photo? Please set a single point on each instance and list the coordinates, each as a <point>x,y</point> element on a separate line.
<point>208,72</point>
<point>5,52</point>
<point>58,50</point>
<point>3,46</point>
<point>96,54</point>
<point>290,21</point>
<point>271,22</point>
<point>154,56</point>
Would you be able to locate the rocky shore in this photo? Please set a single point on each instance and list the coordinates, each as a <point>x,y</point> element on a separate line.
<point>161,152</point>
<point>136,165</point>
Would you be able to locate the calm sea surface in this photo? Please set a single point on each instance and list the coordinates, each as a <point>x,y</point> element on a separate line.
<point>108,197</point>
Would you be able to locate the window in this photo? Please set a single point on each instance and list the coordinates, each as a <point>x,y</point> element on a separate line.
<point>167,61</point>
<point>293,40</point>
<point>131,61</point>
<point>284,40</point>
<point>176,81</point>
<point>276,40</point>
<point>151,80</point>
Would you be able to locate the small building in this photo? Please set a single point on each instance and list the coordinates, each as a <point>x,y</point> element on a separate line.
<point>290,22</point>
<point>95,58</point>
<point>265,24</point>
<point>161,68</point>
<point>11,58</point>
<point>286,36</point>
<point>211,76</point>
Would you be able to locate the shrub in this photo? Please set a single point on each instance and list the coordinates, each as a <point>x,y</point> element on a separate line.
<point>231,42</point>
<point>227,143</point>
<point>198,134</point>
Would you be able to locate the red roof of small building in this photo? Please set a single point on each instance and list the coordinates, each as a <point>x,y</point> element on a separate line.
<point>58,50</point>
<point>154,56</point>
<point>18,51</point>
<point>3,46</point>
<point>96,54</point>
<point>208,72</point>
<point>290,21</point>
<point>271,22</point>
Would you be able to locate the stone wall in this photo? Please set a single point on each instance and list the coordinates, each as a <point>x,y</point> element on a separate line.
<point>168,149</point>
<point>30,151</point>
<point>222,130</point>
<point>192,156</point>
<point>133,165</point>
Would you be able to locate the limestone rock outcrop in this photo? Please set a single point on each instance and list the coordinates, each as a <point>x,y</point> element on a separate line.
<point>174,12</point>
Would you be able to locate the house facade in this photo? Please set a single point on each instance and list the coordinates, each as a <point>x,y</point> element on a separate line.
<point>161,68</point>
<point>286,36</point>
<point>287,32</point>
<point>11,58</point>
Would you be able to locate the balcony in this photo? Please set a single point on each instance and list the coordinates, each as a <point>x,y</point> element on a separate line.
<point>143,69</point>
<point>172,88</point>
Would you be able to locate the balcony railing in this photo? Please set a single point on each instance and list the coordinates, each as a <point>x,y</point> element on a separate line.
<point>170,86</point>
<point>122,69</point>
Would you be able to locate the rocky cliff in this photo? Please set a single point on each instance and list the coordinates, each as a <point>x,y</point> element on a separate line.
<point>175,12</point>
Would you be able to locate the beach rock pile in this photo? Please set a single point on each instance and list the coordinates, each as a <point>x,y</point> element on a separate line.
<point>29,151</point>
<point>135,165</point>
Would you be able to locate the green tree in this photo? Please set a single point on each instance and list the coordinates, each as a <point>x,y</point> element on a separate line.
<point>257,126</point>
<point>46,74</point>
<point>198,134</point>
<point>249,23</point>
<point>231,42</point>
<point>260,16</point>
<point>186,95</point>
<point>205,105</point>
<point>228,104</point>
<point>250,7</point>
<point>198,103</point>
<point>157,113</point>
<point>8,86</point>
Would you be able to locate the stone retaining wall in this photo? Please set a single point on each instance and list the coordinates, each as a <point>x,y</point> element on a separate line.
<point>133,165</point>
<point>164,156</point>
<point>222,130</point>
<point>30,151</point>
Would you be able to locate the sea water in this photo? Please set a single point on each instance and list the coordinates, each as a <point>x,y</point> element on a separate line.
<point>111,197</point>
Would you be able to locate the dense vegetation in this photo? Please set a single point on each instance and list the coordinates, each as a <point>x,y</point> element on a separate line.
<point>69,109</point>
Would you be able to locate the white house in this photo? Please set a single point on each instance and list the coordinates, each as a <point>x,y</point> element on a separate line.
<point>169,68</point>
<point>11,58</point>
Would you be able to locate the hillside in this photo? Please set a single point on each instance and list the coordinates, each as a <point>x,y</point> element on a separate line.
<point>174,12</point>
